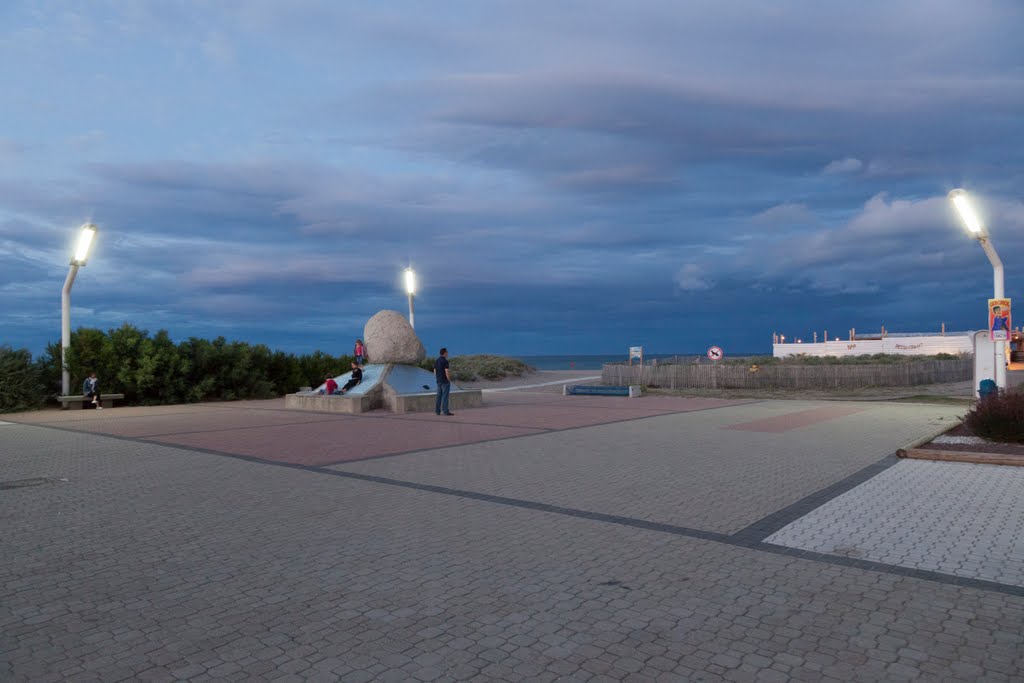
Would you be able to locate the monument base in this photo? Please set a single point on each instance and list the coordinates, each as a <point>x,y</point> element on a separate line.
<point>425,403</point>
<point>349,405</point>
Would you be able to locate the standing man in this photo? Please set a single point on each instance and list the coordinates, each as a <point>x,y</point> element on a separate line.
<point>443,377</point>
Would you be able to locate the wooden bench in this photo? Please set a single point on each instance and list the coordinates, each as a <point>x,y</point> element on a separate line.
<point>598,390</point>
<point>106,400</point>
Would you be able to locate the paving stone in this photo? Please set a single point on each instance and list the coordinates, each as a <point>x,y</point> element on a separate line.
<point>933,507</point>
<point>155,562</point>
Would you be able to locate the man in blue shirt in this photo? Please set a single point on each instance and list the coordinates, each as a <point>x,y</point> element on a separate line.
<point>443,377</point>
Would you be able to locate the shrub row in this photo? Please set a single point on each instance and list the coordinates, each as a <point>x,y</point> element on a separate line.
<point>153,370</point>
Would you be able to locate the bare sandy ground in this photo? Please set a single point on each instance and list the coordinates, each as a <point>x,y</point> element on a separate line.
<point>552,381</point>
<point>541,377</point>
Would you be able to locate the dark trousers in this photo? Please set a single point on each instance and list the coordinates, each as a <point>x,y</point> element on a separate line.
<point>349,384</point>
<point>443,389</point>
<point>90,396</point>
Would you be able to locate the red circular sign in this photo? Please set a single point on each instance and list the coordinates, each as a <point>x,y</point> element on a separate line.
<point>715,353</point>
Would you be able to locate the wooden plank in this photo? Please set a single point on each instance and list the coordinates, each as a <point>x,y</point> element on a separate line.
<point>962,456</point>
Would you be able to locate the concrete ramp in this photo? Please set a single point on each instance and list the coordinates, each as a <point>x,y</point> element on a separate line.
<point>399,388</point>
<point>373,373</point>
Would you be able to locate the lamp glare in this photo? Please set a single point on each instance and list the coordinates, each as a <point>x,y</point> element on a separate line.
<point>84,243</point>
<point>966,211</point>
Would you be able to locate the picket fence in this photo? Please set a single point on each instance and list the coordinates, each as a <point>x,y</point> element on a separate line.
<point>708,376</point>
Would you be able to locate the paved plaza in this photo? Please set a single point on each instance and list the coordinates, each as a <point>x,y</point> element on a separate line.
<point>538,538</point>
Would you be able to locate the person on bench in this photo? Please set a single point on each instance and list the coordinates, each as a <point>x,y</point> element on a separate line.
<point>91,391</point>
<point>357,377</point>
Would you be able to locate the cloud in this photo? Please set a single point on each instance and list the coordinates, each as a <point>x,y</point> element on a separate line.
<point>690,278</point>
<point>219,48</point>
<point>786,214</point>
<point>839,166</point>
<point>567,181</point>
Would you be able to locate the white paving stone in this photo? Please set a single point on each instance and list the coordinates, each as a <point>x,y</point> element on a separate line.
<point>956,518</point>
<point>962,440</point>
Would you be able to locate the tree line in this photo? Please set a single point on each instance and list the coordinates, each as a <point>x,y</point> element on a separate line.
<point>154,370</point>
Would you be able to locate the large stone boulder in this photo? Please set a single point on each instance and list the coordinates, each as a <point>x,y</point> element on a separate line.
<point>390,338</point>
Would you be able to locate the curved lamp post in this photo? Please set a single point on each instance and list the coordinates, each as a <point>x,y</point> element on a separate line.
<point>410,289</point>
<point>85,240</point>
<point>962,202</point>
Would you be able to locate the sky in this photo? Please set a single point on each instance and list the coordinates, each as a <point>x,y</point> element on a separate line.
<point>565,177</point>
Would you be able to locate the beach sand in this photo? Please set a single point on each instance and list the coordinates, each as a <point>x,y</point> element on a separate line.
<point>551,379</point>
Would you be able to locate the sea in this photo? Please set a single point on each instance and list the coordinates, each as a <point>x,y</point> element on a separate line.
<point>594,362</point>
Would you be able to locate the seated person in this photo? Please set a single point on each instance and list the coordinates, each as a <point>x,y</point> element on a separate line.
<point>357,377</point>
<point>330,387</point>
<point>91,391</point>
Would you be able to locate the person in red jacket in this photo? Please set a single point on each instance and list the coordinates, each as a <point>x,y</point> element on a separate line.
<point>330,387</point>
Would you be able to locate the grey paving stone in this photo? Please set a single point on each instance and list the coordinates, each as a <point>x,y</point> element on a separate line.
<point>682,480</point>
<point>248,571</point>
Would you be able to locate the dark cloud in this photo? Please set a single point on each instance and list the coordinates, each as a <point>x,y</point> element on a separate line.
<point>565,177</point>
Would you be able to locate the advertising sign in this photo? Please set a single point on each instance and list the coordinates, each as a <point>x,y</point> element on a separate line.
<point>999,319</point>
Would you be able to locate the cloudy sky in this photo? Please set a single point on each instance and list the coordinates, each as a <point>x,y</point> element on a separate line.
<point>566,177</point>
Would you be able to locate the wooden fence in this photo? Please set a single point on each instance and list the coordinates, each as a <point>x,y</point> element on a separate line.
<point>707,376</point>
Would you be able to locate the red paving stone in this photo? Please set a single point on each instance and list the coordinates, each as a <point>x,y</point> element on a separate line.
<point>323,443</point>
<point>265,430</point>
<point>116,423</point>
<point>803,418</point>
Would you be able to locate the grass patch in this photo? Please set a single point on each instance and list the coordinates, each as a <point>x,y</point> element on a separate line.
<point>940,400</point>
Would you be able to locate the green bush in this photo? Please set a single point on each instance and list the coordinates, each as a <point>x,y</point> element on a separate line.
<point>153,370</point>
<point>21,385</point>
<point>999,417</point>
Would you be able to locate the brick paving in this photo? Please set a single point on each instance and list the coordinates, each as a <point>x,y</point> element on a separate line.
<point>510,559</point>
<point>687,469</point>
<point>959,518</point>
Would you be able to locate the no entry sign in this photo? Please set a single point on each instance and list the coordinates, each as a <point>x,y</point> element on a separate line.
<point>715,353</point>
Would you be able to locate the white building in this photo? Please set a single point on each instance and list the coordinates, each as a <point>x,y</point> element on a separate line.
<point>909,345</point>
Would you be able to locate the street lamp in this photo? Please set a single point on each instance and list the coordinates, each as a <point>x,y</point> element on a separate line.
<point>962,202</point>
<point>410,289</point>
<point>85,239</point>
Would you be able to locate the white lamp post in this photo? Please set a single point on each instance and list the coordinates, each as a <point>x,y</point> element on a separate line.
<point>410,289</point>
<point>974,226</point>
<point>78,259</point>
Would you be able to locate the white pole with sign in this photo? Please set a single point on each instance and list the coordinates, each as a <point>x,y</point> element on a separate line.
<point>637,352</point>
